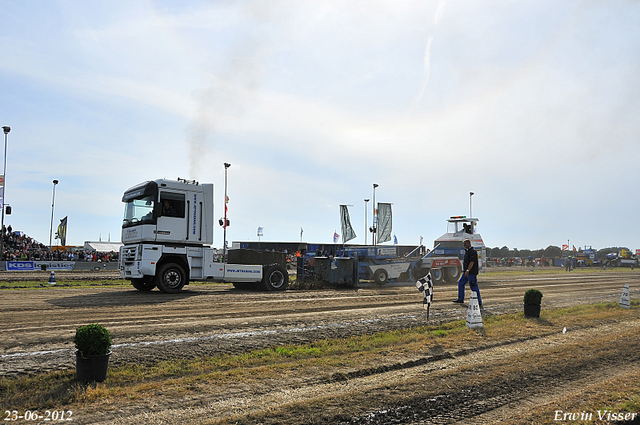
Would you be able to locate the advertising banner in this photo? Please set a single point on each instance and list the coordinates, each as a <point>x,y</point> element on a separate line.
<point>345,223</point>
<point>62,231</point>
<point>37,265</point>
<point>384,229</point>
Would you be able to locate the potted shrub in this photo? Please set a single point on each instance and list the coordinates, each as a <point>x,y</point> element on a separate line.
<point>532,301</point>
<point>93,348</point>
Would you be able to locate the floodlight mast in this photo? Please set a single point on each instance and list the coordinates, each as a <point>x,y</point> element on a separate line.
<point>226,221</point>
<point>375,216</point>
<point>53,202</point>
<point>366,228</point>
<point>6,130</point>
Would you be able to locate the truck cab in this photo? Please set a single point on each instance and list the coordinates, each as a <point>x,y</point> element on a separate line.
<point>167,211</point>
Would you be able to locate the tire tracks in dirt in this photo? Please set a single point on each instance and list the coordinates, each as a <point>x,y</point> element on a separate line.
<point>432,391</point>
<point>195,322</point>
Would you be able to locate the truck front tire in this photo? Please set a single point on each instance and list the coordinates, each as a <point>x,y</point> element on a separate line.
<point>171,278</point>
<point>276,278</point>
<point>144,284</point>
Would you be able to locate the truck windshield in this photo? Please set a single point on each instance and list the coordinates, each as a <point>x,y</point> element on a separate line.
<point>138,211</point>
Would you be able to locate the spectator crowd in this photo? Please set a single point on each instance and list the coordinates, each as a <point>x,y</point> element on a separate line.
<point>20,247</point>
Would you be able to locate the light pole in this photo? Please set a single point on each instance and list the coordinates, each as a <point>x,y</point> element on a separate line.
<point>6,129</point>
<point>53,202</point>
<point>366,228</point>
<point>375,216</point>
<point>470,195</point>
<point>226,199</point>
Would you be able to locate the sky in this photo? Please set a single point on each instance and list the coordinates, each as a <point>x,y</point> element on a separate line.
<point>532,105</point>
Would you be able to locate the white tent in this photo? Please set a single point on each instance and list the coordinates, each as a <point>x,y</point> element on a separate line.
<point>102,246</point>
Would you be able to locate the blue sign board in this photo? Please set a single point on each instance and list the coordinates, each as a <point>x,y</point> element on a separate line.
<point>37,265</point>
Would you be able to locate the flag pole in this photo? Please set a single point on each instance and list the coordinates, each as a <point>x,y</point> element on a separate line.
<point>430,301</point>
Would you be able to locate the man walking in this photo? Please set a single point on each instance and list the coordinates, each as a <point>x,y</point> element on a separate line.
<point>470,267</point>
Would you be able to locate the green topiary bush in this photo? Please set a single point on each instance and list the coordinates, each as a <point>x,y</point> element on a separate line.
<point>533,297</point>
<point>92,340</point>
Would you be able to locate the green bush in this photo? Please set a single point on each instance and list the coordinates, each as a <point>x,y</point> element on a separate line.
<point>533,297</point>
<point>92,340</point>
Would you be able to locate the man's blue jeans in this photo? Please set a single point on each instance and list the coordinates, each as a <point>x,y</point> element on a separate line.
<point>473,284</point>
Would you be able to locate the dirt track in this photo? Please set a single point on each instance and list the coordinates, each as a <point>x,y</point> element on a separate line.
<point>37,326</point>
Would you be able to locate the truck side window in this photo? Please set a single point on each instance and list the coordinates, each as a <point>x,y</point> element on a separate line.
<point>172,204</point>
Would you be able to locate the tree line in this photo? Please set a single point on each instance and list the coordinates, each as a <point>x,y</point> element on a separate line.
<point>551,251</point>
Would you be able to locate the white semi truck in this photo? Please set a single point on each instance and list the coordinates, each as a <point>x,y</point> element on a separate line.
<point>167,233</point>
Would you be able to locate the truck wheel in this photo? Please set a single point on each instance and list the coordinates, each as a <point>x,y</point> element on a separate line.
<point>452,274</point>
<point>276,278</point>
<point>143,284</point>
<point>437,275</point>
<point>171,278</point>
<point>380,277</point>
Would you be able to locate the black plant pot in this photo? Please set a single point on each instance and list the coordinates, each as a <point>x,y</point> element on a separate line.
<point>531,310</point>
<point>91,368</point>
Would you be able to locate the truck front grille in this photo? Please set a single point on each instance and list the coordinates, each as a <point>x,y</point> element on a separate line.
<point>129,254</point>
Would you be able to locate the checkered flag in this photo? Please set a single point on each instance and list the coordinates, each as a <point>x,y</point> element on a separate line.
<point>425,285</point>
